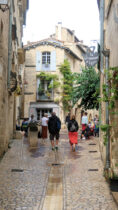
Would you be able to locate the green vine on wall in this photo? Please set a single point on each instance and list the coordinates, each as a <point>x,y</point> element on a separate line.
<point>106,129</point>
<point>52,79</point>
<point>67,85</point>
<point>110,96</point>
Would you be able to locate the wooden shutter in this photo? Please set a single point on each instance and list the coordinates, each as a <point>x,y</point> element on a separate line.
<point>38,61</point>
<point>53,61</point>
<point>38,82</point>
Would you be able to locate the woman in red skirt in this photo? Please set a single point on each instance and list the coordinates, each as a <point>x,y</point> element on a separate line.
<point>73,132</point>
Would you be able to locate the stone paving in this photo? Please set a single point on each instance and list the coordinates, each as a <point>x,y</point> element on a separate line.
<point>83,188</point>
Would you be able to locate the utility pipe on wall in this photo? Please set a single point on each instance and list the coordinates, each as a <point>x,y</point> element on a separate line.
<point>102,4</point>
<point>107,114</point>
<point>10,43</point>
<point>106,54</point>
<point>101,7</point>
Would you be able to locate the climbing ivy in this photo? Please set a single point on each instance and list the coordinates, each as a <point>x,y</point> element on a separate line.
<point>110,96</point>
<point>52,81</point>
<point>106,129</point>
<point>67,85</point>
<point>50,77</point>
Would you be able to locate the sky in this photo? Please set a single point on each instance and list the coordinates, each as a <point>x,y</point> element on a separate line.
<point>82,16</point>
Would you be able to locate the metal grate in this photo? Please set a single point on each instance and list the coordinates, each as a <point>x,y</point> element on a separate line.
<point>92,144</point>
<point>93,169</point>
<point>56,164</point>
<point>93,151</point>
<point>16,170</point>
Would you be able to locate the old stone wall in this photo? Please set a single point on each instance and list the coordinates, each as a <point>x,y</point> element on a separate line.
<point>7,98</point>
<point>111,43</point>
<point>4,132</point>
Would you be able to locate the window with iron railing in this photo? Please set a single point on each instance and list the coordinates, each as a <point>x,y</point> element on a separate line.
<point>44,92</point>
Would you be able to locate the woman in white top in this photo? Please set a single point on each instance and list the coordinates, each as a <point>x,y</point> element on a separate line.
<point>44,122</point>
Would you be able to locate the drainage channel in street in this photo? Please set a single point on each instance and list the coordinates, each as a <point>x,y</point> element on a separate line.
<point>54,193</point>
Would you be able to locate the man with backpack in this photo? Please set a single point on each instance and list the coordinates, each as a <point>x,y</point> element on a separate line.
<point>54,126</point>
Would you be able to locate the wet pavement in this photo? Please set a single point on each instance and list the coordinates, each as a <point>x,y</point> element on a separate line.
<point>42,179</point>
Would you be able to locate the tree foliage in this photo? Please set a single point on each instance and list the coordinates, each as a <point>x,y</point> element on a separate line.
<point>86,88</point>
<point>67,85</point>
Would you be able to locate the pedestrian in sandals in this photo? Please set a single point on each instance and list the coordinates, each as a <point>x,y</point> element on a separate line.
<point>73,132</point>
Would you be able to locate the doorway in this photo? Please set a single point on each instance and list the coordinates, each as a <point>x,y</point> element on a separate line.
<point>40,113</point>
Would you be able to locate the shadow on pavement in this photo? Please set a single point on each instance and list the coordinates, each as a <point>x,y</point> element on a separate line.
<point>114,185</point>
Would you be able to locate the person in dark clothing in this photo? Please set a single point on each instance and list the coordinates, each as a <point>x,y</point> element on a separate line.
<point>67,119</point>
<point>86,133</point>
<point>73,132</point>
<point>54,126</point>
<point>24,127</point>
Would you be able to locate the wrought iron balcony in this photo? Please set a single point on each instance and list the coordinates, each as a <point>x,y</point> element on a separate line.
<point>44,96</point>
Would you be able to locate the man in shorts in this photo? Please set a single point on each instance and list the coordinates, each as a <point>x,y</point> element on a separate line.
<point>54,126</point>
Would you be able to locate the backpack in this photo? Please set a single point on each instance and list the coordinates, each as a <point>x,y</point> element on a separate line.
<point>58,124</point>
<point>73,127</point>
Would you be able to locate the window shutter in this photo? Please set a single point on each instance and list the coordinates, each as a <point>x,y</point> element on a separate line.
<point>38,82</point>
<point>53,61</point>
<point>38,61</point>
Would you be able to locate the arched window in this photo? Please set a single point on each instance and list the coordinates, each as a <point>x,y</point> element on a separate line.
<point>46,58</point>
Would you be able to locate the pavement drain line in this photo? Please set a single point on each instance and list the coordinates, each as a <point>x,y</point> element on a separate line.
<point>54,190</point>
<point>93,169</point>
<point>93,151</point>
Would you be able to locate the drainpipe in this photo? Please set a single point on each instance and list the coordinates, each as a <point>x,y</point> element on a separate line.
<point>101,34</point>
<point>107,165</point>
<point>102,4</point>
<point>10,44</point>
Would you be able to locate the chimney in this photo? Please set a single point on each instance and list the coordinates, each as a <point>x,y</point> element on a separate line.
<point>73,31</point>
<point>59,30</point>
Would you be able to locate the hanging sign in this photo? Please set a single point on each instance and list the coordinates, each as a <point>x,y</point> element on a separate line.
<point>91,57</point>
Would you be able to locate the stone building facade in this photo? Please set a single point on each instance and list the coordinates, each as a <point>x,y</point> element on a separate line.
<point>12,18</point>
<point>46,56</point>
<point>109,58</point>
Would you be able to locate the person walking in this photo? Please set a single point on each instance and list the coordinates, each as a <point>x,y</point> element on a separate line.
<point>44,123</point>
<point>67,119</point>
<point>54,126</point>
<point>84,123</point>
<point>73,132</point>
<point>24,127</point>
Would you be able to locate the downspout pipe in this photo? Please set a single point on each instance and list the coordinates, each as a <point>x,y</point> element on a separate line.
<point>10,43</point>
<point>106,54</point>
<point>102,5</point>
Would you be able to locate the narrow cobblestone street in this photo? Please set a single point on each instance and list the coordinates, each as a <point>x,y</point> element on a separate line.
<point>42,179</point>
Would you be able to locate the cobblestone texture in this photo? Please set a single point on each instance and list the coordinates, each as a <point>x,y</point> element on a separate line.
<point>82,189</point>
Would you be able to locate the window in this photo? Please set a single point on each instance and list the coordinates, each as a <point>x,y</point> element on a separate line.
<point>44,90</point>
<point>46,61</point>
<point>46,58</point>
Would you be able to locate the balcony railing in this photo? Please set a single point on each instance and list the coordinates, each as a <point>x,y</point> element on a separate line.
<point>44,96</point>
